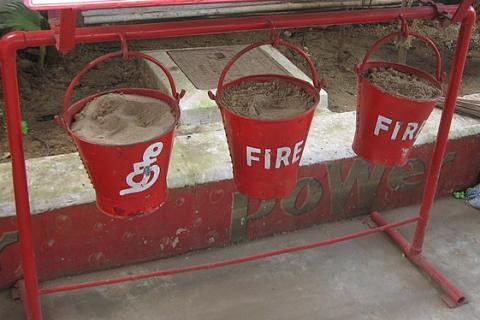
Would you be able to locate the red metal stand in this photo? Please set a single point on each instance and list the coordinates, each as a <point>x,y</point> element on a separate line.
<point>12,42</point>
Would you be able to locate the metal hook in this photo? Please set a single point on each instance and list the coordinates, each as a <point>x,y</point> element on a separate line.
<point>124,45</point>
<point>404,28</point>
<point>274,34</point>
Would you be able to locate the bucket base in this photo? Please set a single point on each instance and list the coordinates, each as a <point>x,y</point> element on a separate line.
<point>379,157</point>
<point>133,208</point>
<point>266,191</point>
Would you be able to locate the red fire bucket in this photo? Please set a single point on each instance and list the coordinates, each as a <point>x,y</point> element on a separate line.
<point>266,153</point>
<point>388,125</point>
<point>129,180</point>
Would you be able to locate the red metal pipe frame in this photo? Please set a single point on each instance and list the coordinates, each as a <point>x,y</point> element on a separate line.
<point>13,118</point>
<point>10,43</point>
<point>433,175</point>
<point>453,297</point>
<point>228,262</point>
<point>225,25</point>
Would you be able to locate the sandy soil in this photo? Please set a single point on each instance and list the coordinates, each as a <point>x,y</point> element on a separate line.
<point>267,100</point>
<point>120,119</point>
<point>401,84</point>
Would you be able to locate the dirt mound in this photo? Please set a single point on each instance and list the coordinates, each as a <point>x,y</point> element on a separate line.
<point>119,119</point>
<point>402,85</point>
<point>271,100</point>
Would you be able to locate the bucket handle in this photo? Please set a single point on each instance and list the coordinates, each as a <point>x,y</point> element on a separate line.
<point>361,67</point>
<point>275,42</point>
<point>68,95</point>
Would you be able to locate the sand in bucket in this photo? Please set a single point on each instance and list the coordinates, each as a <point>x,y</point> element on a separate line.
<point>401,84</point>
<point>272,100</point>
<point>122,119</point>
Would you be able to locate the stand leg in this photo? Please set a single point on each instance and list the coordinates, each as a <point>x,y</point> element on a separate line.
<point>13,117</point>
<point>431,182</point>
<point>452,296</point>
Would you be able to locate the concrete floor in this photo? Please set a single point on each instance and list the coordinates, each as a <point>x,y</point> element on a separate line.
<point>361,279</point>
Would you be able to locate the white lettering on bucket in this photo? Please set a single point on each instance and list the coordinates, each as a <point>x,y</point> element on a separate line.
<point>297,151</point>
<point>381,121</point>
<point>420,129</point>
<point>250,157</point>
<point>410,129</point>
<point>145,168</point>
<point>283,156</point>
<point>395,131</point>
<point>268,155</point>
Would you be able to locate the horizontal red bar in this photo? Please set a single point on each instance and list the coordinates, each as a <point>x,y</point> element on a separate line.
<point>249,23</point>
<point>217,264</point>
<point>224,25</point>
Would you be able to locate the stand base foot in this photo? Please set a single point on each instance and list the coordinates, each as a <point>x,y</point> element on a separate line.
<point>451,295</point>
<point>32,313</point>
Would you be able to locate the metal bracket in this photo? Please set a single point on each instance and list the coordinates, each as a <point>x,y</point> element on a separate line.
<point>404,26</point>
<point>63,23</point>
<point>446,18</point>
<point>274,33</point>
<point>123,45</point>
<point>462,10</point>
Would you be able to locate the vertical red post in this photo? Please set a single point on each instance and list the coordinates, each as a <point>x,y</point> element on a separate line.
<point>68,24</point>
<point>8,56</point>
<point>442,135</point>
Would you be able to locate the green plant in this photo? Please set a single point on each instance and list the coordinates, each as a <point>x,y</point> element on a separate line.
<point>15,16</point>
<point>25,127</point>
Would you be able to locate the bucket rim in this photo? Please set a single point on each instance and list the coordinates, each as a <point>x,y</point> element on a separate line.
<point>309,88</point>
<point>159,95</point>
<point>405,69</point>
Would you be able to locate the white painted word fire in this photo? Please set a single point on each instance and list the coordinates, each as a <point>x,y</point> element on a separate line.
<point>284,156</point>
<point>397,130</point>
